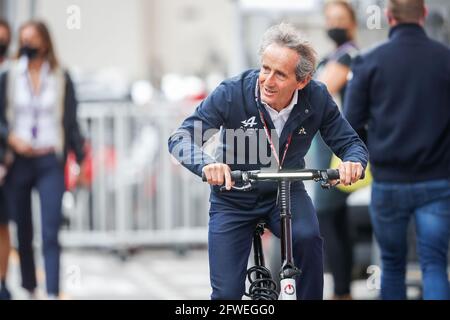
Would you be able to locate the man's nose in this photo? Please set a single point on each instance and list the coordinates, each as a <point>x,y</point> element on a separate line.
<point>270,79</point>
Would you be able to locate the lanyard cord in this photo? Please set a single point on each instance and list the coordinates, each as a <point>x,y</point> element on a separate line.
<point>269,138</point>
<point>35,100</point>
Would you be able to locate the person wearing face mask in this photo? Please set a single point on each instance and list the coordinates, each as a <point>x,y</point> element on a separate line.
<point>334,69</point>
<point>5,39</point>
<point>29,52</point>
<point>331,205</point>
<point>5,244</point>
<point>38,109</point>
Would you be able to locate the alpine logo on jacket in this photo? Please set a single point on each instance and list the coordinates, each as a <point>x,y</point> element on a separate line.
<point>249,123</point>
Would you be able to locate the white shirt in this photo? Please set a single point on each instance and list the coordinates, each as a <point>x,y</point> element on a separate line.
<point>36,110</point>
<point>279,119</point>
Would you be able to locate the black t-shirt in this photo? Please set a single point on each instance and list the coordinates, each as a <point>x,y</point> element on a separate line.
<point>3,211</point>
<point>342,55</point>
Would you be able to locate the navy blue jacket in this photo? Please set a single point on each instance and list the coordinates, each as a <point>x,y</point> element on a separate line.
<point>401,91</point>
<point>233,103</point>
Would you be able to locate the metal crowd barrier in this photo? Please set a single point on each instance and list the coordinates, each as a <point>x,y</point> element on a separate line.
<point>139,195</point>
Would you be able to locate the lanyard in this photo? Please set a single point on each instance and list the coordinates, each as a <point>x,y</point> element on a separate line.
<point>34,103</point>
<point>269,138</point>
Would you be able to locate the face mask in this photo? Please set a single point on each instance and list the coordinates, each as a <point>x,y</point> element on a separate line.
<point>3,49</point>
<point>338,35</point>
<point>30,52</point>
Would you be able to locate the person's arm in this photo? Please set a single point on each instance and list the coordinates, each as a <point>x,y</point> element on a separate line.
<point>4,131</point>
<point>185,144</point>
<point>3,125</point>
<point>343,141</point>
<point>356,106</point>
<point>75,139</point>
<point>8,137</point>
<point>334,76</point>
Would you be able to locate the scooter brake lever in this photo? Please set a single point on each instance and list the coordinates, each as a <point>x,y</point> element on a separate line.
<point>245,187</point>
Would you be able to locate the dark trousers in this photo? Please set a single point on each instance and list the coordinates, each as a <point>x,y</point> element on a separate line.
<point>46,174</point>
<point>338,247</point>
<point>4,215</point>
<point>332,212</point>
<point>230,239</point>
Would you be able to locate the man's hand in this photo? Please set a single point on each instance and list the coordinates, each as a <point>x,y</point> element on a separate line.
<point>217,174</point>
<point>350,172</point>
<point>20,146</point>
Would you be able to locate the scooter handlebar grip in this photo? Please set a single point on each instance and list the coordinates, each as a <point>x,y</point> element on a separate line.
<point>236,176</point>
<point>333,174</point>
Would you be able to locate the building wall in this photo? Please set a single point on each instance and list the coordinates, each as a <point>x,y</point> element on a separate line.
<point>111,34</point>
<point>192,36</point>
<point>141,38</point>
<point>144,39</point>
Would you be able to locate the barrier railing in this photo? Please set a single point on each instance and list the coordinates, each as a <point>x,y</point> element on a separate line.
<point>138,195</point>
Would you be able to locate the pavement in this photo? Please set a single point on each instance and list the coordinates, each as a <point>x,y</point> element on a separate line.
<point>145,275</point>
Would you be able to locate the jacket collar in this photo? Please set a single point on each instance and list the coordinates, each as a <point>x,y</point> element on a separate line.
<point>301,111</point>
<point>299,114</point>
<point>406,30</point>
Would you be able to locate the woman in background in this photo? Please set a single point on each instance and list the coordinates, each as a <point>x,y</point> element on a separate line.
<point>37,101</point>
<point>331,205</point>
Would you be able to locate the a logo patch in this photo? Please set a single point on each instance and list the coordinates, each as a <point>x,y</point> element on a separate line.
<point>249,123</point>
<point>302,131</point>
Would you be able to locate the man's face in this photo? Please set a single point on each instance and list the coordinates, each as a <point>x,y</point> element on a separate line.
<point>277,80</point>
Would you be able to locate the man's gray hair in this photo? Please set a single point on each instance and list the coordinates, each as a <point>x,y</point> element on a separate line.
<point>286,35</point>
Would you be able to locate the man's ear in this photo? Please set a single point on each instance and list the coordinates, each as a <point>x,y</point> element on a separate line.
<point>425,13</point>
<point>304,83</point>
<point>388,16</point>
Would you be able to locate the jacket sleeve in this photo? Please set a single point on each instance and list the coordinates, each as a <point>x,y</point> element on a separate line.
<point>356,105</point>
<point>4,131</point>
<point>340,136</point>
<point>74,138</point>
<point>185,144</point>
